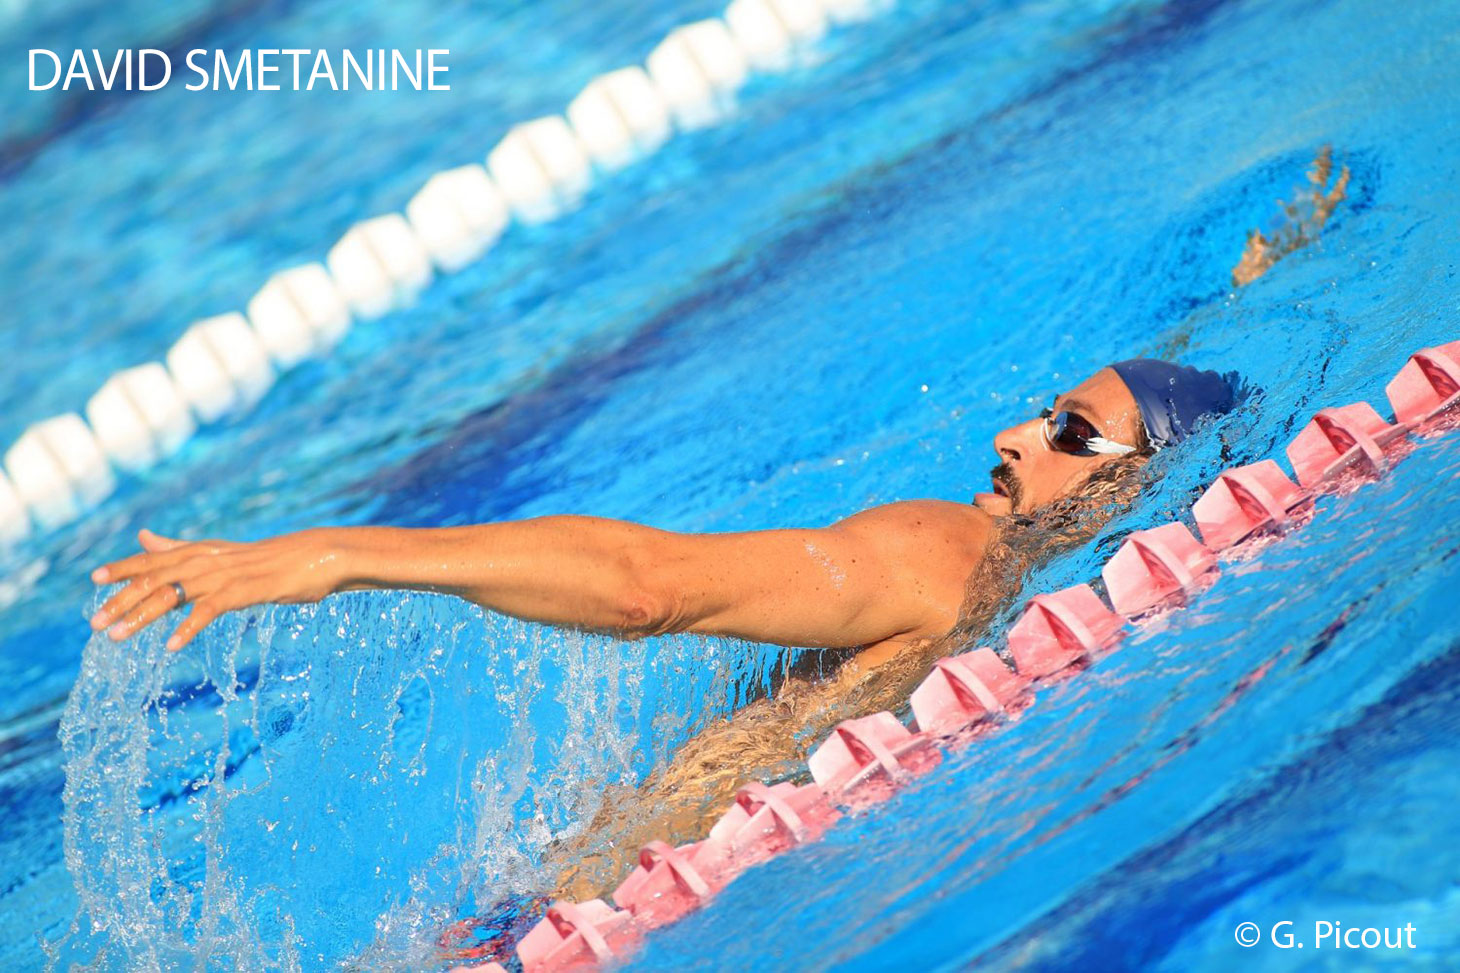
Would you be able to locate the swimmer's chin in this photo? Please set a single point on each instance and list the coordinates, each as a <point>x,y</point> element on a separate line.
<point>994,504</point>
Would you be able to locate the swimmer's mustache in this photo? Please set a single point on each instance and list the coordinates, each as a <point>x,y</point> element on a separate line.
<point>1003,475</point>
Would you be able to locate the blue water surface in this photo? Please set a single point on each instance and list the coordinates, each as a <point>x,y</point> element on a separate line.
<point>833,300</point>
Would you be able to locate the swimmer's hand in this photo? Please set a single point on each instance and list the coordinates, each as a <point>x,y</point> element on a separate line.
<point>1303,219</point>
<point>216,576</point>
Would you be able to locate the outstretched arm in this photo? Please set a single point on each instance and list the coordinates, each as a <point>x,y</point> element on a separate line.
<point>892,571</point>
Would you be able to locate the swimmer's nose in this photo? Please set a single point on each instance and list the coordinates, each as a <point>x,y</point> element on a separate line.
<point>1003,445</point>
<point>1014,442</point>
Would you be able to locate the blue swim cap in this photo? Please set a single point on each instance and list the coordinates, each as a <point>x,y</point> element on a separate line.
<point>1172,397</point>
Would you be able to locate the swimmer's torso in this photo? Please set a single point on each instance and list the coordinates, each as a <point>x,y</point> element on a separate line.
<point>769,738</point>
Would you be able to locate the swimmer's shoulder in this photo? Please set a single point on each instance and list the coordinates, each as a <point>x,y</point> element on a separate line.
<point>929,549</point>
<point>957,532</point>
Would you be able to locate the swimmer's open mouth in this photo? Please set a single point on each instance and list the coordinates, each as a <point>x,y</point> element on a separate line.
<point>1005,485</point>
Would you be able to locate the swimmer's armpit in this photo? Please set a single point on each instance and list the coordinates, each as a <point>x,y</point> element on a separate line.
<point>1303,220</point>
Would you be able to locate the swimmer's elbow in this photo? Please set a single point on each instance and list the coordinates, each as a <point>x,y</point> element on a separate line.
<point>650,602</point>
<point>645,612</point>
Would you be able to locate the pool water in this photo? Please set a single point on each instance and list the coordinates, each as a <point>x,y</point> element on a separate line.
<point>831,301</point>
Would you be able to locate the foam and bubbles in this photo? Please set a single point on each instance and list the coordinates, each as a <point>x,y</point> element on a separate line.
<point>309,786</point>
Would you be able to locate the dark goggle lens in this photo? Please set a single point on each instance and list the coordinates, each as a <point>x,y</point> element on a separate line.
<point>1068,432</point>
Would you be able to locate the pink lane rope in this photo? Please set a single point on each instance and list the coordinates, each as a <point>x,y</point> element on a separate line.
<point>864,760</point>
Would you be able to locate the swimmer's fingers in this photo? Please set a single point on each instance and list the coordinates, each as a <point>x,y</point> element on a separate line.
<point>204,612</point>
<point>138,564</point>
<point>216,577</point>
<point>144,611</point>
<point>1322,168</point>
<point>184,566</point>
<point>155,543</point>
<point>164,561</point>
<point>145,600</point>
<point>129,597</point>
<point>1339,191</point>
<point>218,594</point>
<point>158,553</point>
<point>157,580</point>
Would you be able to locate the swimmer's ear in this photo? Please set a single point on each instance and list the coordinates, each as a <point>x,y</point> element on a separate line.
<point>154,543</point>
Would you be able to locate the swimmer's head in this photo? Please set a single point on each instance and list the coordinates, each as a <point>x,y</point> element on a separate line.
<point>1122,413</point>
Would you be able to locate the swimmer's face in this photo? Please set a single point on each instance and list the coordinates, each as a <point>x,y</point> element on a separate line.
<point>1030,473</point>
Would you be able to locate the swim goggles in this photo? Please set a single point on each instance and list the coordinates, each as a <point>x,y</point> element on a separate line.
<point>1070,432</point>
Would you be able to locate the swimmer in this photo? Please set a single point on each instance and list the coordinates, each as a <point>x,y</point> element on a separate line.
<point>876,580</point>
<point>886,590</point>
<point>883,585</point>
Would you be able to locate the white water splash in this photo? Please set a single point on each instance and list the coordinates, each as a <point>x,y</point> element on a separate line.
<point>314,787</point>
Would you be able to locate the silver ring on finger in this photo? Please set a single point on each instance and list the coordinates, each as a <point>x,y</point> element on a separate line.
<point>182,596</point>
